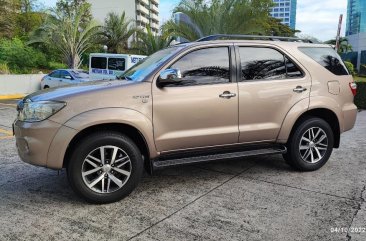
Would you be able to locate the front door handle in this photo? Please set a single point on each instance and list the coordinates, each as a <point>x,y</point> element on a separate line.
<point>299,89</point>
<point>227,95</point>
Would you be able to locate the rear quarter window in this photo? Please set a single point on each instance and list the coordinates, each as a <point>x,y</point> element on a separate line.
<point>327,58</point>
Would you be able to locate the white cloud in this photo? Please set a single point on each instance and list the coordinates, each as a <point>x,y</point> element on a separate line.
<point>319,18</point>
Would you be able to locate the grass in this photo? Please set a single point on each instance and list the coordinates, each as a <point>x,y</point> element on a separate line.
<point>360,79</point>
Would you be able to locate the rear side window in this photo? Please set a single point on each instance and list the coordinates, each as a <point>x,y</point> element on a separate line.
<point>55,74</point>
<point>266,64</point>
<point>99,63</point>
<point>327,58</point>
<point>117,64</point>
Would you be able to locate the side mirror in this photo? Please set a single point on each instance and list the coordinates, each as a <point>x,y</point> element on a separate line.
<point>68,77</point>
<point>169,76</point>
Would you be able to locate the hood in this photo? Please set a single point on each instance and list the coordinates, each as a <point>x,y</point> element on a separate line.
<point>63,92</point>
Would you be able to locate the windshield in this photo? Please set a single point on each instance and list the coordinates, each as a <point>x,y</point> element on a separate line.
<point>80,74</point>
<point>139,71</point>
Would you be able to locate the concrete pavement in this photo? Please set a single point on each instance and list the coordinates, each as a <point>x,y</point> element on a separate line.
<point>258,198</point>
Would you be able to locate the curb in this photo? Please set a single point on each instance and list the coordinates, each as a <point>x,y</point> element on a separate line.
<point>10,97</point>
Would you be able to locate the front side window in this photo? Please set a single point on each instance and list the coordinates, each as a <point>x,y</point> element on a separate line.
<point>55,74</point>
<point>65,75</point>
<point>99,62</point>
<point>328,58</point>
<point>117,64</point>
<point>204,66</point>
<point>266,64</point>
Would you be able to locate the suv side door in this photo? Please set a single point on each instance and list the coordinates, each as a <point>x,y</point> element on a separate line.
<point>270,84</point>
<point>192,114</point>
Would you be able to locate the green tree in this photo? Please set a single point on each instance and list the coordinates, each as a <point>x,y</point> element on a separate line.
<point>117,30</point>
<point>148,43</point>
<point>274,27</point>
<point>68,7</point>
<point>8,17</point>
<point>344,46</point>
<point>68,35</point>
<point>219,17</point>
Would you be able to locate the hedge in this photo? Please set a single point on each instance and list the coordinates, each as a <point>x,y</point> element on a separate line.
<point>360,98</point>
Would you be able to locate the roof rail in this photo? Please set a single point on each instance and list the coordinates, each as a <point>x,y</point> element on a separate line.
<point>254,37</point>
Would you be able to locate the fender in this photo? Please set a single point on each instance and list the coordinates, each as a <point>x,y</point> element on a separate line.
<point>96,117</point>
<point>316,102</point>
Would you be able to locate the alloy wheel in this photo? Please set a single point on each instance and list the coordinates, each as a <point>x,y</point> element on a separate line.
<point>313,145</point>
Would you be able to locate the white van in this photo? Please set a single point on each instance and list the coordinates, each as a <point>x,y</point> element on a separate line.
<point>109,66</point>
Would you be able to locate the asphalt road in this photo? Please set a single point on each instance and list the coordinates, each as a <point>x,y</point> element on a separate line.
<point>250,199</point>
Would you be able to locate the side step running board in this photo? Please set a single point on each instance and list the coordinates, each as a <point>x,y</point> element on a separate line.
<point>158,164</point>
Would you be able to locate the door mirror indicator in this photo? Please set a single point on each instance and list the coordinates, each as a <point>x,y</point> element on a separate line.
<point>169,76</point>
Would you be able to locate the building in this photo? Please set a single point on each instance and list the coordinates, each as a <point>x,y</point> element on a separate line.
<point>144,12</point>
<point>286,11</point>
<point>356,30</point>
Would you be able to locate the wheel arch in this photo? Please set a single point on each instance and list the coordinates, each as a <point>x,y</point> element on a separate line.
<point>130,131</point>
<point>324,113</point>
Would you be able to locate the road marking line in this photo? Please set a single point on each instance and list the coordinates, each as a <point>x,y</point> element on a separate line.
<point>9,97</point>
<point>5,137</point>
<point>6,132</point>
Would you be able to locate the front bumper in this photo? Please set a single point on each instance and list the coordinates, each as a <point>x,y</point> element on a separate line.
<point>33,140</point>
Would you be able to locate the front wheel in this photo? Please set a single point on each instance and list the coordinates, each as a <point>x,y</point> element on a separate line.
<point>310,145</point>
<point>105,167</point>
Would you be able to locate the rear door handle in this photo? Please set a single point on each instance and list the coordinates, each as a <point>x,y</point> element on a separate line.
<point>299,89</point>
<point>227,95</point>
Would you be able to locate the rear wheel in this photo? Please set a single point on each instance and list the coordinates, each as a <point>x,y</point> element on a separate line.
<point>105,167</point>
<point>310,145</point>
<point>46,87</point>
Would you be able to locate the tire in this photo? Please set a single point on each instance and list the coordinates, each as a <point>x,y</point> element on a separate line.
<point>111,182</point>
<point>46,87</point>
<point>306,153</point>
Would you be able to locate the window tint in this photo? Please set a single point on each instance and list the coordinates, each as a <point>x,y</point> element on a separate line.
<point>327,58</point>
<point>292,70</point>
<point>204,66</point>
<point>116,64</point>
<point>64,74</point>
<point>55,74</point>
<point>266,64</point>
<point>99,63</point>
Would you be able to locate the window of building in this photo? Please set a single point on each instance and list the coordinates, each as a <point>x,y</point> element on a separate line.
<point>99,62</point>
<point>204,66</point>
<point>266,64</point>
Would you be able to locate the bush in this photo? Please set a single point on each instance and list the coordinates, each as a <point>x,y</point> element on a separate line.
<point>56,65</point>
<point>360,98</point>
<point>4,69</point>
<point>350,67</point>
<point>20,58</point>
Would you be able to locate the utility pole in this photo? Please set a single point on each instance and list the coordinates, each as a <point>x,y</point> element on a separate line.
<point>339,32</point>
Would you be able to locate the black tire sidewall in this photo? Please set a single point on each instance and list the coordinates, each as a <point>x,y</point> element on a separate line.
<point>293,156</point>
<point>92,142</point>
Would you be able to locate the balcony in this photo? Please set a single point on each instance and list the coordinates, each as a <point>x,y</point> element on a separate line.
<point>142,9</point>
<point>142,19</point>
<point>155,1</point>
<point>154,17</point>
<point>145,2</point>
<point>154,26</point>
<point>154,8</point>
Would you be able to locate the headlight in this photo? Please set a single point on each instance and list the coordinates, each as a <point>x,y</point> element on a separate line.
<point>39,111</point>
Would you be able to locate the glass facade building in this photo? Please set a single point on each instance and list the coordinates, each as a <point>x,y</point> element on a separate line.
<point>286,11</point>
<point>356,17</point>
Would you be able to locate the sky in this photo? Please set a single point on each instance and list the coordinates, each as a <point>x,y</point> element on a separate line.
<point>317,18</point>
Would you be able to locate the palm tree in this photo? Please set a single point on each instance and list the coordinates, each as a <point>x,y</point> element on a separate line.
<point>66,34</point>
<point>148,43</point>
<point>116,32</point>
<point>219,16</point>
<point>344,46</point>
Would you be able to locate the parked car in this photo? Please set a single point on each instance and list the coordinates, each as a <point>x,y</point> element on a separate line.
<point>194,102</point>
<point>111,66</point>
<point>62,77</point>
